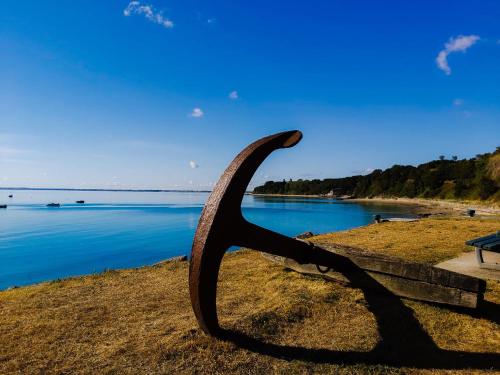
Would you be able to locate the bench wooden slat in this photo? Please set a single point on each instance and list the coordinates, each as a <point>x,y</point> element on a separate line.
<point>492,246</point>
<point>487,242</point>
<point>477,242</point>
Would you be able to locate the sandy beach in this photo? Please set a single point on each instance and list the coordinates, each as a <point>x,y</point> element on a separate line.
<point>421,205</point>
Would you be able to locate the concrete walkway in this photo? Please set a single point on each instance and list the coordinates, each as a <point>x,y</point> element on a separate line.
<point>467,265</point>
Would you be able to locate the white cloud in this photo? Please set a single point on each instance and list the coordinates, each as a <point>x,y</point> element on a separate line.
<point>196,112</point>
<point>193,164</point>
<point>459,44</point>
<point>233,95</point>
<point>458,102</point>
<point>148,11</point>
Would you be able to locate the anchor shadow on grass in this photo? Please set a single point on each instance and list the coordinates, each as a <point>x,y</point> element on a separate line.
<point>403,342</point>
<point>485,310</point>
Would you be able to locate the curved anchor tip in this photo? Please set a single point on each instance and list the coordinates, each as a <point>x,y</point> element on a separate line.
<point>293,139</point>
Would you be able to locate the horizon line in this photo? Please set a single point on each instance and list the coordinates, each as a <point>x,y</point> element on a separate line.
<point>105,189</point>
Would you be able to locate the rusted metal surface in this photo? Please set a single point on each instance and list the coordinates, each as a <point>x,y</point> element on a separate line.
<point>222,225</point>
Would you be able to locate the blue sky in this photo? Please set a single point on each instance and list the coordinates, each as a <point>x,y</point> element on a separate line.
<point>164,93</point>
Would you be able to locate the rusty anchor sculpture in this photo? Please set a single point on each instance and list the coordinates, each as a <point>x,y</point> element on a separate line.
<point>222,225</point>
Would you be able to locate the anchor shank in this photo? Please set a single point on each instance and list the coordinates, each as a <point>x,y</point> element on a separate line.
<point>265,240</point>
<point>257,238</point>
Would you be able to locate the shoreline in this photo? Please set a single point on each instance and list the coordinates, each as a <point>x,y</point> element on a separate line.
<point>484,208</point>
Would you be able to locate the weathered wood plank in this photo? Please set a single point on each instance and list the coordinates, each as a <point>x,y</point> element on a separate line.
<point>408,270</point>
<point>423,291</point>
<point>396,282</point>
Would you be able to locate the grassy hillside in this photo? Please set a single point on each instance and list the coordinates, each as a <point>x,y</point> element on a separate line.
<point>140,320</point>
<point>472,179</point>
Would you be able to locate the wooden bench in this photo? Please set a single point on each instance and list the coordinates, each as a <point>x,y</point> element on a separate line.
<point>487,243</point>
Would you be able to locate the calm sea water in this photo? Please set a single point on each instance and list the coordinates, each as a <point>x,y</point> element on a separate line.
<point>129,229</point>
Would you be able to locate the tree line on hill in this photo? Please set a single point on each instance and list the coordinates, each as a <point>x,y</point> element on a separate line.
<point>475,179</point>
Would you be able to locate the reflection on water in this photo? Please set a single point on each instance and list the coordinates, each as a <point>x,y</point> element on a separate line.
<point>129,229</point>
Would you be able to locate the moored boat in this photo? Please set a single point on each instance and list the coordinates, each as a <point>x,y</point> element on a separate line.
<point>54,205</point>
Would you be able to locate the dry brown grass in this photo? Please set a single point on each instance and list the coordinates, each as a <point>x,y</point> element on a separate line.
<point>428,241</point>
<point>140,320</point>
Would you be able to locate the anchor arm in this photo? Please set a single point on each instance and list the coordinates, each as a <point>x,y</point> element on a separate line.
<point>222,225</point>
